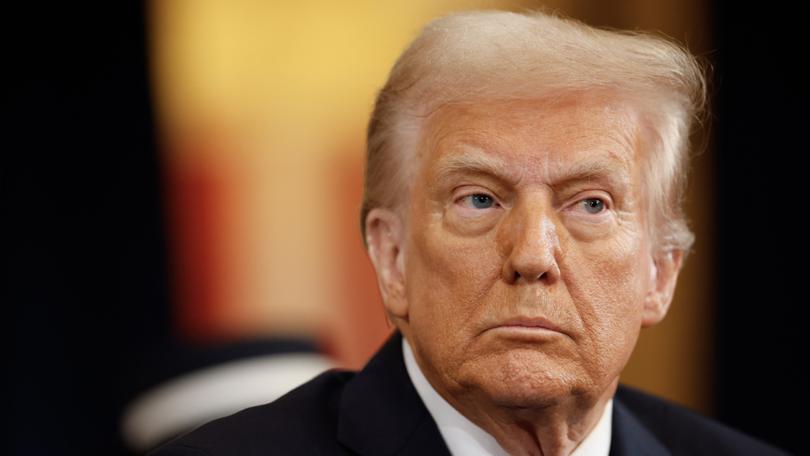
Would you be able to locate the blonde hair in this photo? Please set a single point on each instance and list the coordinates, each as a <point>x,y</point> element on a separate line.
<point>497,55</point>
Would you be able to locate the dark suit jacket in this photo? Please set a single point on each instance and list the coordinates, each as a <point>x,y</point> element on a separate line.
<point>378,412</point>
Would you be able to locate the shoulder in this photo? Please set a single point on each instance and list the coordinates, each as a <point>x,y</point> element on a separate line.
<point>684,431</point>
<point>306,417</point>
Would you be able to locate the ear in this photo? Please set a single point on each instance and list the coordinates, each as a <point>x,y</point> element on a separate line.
<point>664,270</point>
<point>385,240</point>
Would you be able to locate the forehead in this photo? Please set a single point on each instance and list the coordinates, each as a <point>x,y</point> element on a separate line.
<point>541,139</point>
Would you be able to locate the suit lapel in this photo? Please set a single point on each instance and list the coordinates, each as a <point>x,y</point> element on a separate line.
<point>630,437</point>
<point>380,412</point>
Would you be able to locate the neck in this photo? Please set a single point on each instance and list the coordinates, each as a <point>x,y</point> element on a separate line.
<point>556,429</point>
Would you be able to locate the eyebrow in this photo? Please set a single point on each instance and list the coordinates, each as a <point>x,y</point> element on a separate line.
<point>611,171</point>
<point>474,163</point>
<point>603,169</point>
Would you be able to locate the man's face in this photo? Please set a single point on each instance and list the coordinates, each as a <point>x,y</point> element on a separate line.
<point>527,256</point>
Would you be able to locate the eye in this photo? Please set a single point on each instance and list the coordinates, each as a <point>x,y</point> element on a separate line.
<point>593,205</point>
<point>478,201</point>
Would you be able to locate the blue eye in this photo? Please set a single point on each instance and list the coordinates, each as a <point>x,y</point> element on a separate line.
<point>593,205</point>
<point>481,201</point>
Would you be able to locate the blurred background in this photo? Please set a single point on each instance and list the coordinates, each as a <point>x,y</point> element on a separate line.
<point>181,186</point>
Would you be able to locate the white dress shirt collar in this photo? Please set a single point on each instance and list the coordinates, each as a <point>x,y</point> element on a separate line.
<point>463,437</point>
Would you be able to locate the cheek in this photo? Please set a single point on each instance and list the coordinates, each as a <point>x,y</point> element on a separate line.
<point>448,275</point>
<point>608,287</point>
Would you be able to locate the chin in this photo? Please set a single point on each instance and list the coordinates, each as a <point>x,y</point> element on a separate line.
<point>524,379</point>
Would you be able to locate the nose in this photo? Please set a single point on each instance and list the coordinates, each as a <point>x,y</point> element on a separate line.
<point>531,245</point>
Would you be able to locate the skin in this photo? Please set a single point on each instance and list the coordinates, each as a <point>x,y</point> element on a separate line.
<point>520,280</point>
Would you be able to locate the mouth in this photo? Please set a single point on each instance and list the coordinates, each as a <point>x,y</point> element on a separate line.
<point>527,327</point>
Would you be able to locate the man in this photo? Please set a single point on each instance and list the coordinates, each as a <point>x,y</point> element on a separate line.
<point>522,211</point>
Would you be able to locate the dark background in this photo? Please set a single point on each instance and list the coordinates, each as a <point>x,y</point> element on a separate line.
<point>760,129</point>
<point>84,273</point>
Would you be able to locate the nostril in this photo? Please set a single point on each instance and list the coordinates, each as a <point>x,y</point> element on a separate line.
<point>517,276</point>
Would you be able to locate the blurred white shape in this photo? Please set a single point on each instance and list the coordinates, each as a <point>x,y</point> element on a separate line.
<point>193,399</point>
